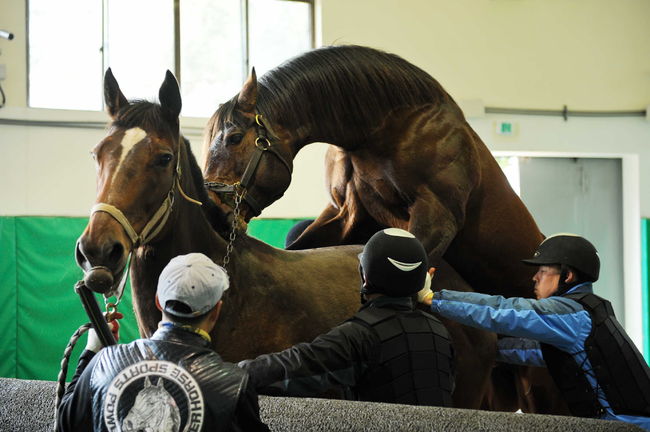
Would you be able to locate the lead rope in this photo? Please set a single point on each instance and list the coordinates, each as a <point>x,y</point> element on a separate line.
<point>111,309</point>
<point>60,386</point>
<point>233,231</point>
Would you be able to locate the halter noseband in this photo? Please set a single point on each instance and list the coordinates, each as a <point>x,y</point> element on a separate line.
<point>262,145</point>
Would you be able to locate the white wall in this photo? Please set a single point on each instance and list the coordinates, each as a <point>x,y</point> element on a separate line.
<point>588,54</point>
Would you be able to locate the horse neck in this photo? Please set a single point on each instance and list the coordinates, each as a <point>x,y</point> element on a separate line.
<point>299,130</point>
<point>188,230</point>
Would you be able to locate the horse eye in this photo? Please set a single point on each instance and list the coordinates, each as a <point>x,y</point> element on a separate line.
<point>234,139</point>
<point>164,159</point>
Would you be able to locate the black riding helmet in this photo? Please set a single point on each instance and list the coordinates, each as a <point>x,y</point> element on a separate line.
<point>393,263</point>
<point>570,250</point>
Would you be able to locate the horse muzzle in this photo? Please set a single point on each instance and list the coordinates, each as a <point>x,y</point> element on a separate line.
<point>100,264</point>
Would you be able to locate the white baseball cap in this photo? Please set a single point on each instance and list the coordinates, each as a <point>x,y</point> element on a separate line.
<point>193,280</point>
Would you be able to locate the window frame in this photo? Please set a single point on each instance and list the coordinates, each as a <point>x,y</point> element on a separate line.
<point>176,4</point>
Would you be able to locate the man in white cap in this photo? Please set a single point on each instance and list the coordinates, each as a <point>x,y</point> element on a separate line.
<point>173,381</point>
<point>387,352</point>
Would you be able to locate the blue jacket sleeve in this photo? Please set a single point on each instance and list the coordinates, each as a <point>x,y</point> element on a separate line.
<point>557,321</point>
<point>520,351</point>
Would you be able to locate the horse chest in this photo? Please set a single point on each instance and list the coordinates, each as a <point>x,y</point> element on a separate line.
<point>381,197</point>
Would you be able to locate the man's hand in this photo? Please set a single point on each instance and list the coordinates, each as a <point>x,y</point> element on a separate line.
<point>94,344</point>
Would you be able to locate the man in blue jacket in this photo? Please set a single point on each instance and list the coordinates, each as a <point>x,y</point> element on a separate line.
<point>598,369</point>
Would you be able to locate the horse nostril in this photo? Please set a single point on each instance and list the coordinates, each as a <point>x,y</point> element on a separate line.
<point>80,257</point>
<point>116,252</point>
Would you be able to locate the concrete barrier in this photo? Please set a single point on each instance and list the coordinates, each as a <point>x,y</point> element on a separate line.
<point>29,406</point>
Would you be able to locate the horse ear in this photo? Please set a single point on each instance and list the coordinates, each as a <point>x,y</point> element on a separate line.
<point>159,382</point>
<point>147,383</point>
<point>113,96</point>
<point>170,96</point>
<point>248,95</point>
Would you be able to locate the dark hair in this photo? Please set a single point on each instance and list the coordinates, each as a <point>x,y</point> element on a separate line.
<point>144,114</point>
<point>354,86</point>
<point>183,308</point>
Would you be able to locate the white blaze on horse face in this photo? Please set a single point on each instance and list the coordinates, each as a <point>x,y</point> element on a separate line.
<point>129,140</point>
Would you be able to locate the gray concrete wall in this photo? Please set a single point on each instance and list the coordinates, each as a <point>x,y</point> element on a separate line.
<point>29,406</point>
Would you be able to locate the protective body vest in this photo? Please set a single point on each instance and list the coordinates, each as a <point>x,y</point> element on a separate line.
<point>415,362</point>
<point>616,364</point>
<point>164,379</point>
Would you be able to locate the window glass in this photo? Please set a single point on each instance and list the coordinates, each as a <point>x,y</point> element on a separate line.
<point>510,167</point>
<point>212,54</point>
<point>65,58</point>
<point>140,45</point>
<point>72,42</point>
<point>279,30</point>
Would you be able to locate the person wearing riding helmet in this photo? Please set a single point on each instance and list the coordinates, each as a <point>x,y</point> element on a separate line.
<point>387,352</point>
<point>598,369</point>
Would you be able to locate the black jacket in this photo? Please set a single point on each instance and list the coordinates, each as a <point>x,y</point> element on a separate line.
<point>387,352</point>
<point>175,375</point>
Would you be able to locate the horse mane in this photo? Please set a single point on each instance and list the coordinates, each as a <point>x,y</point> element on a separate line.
<point>352,87</point>
<point>144,114</point>
<point>216,216</point>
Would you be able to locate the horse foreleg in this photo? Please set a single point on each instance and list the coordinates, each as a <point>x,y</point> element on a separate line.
<point>336,227</point>
<point>326,230</point>
<point>433,224</point>
<point>538,392</point>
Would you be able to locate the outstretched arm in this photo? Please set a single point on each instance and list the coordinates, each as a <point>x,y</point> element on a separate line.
<point>335,359</point>
<point>555,320</point>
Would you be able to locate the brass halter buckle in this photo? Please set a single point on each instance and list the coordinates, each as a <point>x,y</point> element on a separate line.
<point>111,311</point>
<point>262,143</point>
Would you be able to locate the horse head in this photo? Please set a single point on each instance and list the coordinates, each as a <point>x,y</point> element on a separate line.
<point>138,179</point>
<point>248,159</point>
<point>154,409</point>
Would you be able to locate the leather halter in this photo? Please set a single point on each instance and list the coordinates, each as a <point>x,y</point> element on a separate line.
<point>242,187</point>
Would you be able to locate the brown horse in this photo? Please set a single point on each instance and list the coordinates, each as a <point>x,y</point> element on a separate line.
<point>277,298</point>
<point>403,155</point>
<point>141,163</point>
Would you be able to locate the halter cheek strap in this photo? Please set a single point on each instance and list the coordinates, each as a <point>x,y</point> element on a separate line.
<point>157,221</point>
<point>262,146</point>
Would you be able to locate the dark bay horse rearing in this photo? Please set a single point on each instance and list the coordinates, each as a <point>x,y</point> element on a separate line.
<point>276,298</point>
<point>404,157</point>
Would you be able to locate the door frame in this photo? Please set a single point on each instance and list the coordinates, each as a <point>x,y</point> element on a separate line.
<point>636,320</point>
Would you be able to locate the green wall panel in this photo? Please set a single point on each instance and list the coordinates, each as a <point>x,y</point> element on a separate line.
<point>271,231</point>
<point>40,309</point>
<point>8,288</point>
<point>48,309</point>
<point>645,287</point>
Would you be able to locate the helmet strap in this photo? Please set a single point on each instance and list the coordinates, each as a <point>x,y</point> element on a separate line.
<point>364,288</point>
<point>563,285</point>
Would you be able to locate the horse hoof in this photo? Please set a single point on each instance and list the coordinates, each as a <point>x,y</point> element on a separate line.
<point>99,280</point>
